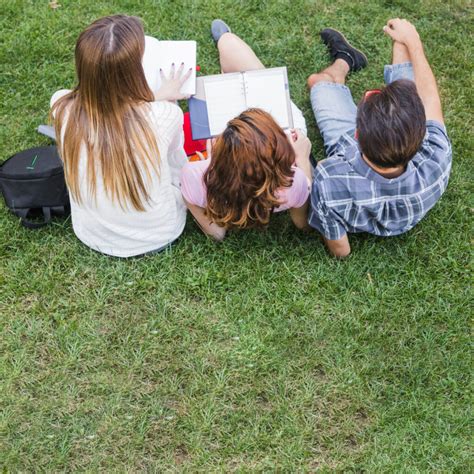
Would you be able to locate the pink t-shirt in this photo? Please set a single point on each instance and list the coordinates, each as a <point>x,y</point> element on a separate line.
<point>194,189</point>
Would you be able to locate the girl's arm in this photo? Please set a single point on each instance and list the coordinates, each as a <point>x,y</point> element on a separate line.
<point>302,147</point>
<point>209,228</point>
<point>299,216</point>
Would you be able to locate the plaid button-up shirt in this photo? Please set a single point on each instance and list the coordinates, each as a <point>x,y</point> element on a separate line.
<point>349,196</point>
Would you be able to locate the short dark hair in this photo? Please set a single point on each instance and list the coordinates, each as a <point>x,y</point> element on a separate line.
<point>391,125</point>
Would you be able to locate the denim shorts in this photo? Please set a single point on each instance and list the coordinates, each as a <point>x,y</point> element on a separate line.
<point>334,107</point>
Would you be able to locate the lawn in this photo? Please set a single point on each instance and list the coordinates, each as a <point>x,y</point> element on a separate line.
<point>261,353</point>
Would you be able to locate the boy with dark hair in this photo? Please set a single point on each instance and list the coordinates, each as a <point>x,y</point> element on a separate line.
<point>389,159</point>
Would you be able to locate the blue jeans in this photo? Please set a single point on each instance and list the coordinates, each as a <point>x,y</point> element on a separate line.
<point>334,107</point>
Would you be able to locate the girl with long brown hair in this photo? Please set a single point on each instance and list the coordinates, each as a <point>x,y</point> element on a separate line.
<point>121,142</point>
<point>253,168</point>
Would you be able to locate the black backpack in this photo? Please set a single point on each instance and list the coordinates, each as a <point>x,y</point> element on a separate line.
<point>33,186</point>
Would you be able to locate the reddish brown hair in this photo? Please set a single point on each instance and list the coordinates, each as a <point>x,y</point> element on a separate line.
<point>251,160</point>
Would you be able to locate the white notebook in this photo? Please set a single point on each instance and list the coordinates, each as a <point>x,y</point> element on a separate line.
<point>227,95</point>
<point>161,54</point>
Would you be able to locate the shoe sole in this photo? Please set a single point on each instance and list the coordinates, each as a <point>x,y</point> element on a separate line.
<point>348,44</point>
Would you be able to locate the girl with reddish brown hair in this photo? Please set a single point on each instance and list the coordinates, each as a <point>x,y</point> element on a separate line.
<point>253,168</point>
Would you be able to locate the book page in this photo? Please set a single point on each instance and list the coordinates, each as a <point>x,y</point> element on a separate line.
<point>161,54</point>
<point>267,90</point>
<point>225,100</point>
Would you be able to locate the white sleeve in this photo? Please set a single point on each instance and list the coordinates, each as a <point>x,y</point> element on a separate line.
<point>176,155</point>
<point>169,118</point>
<point>298,119</point>
<point>57,95</point>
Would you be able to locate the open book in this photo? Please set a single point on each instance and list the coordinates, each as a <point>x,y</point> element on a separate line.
<point>161,54</point>
<point>222,97</point>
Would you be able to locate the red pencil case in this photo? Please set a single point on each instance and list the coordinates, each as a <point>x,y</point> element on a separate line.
<point>192,146</point>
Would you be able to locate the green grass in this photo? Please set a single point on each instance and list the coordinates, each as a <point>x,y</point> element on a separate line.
<point>261,353</point>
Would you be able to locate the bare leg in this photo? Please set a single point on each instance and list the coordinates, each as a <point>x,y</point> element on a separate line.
<point>235,55</point>
<point>336,72</point>
<point>400,53</point>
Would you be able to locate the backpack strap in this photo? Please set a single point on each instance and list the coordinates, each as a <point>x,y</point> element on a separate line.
<point>60,210</point>
<point>23,213</point>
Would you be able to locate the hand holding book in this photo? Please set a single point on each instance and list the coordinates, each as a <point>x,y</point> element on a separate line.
<point>302,146</point>
<point>172,84</point>
<point>160,56</point>
<point>209,143</point>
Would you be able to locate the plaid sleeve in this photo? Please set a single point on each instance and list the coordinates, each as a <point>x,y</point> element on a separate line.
<point>437,142</point>
<point>322,218</point>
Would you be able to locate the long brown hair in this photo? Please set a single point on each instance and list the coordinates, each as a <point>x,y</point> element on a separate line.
<point>101,113</point>
<point>250,161</point>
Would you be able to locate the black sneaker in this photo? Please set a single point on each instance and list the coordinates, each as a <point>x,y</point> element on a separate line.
<point>340,48</point>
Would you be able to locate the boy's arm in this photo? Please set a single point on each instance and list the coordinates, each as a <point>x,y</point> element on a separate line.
<point>404,32</point>
<point>338,248</point>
